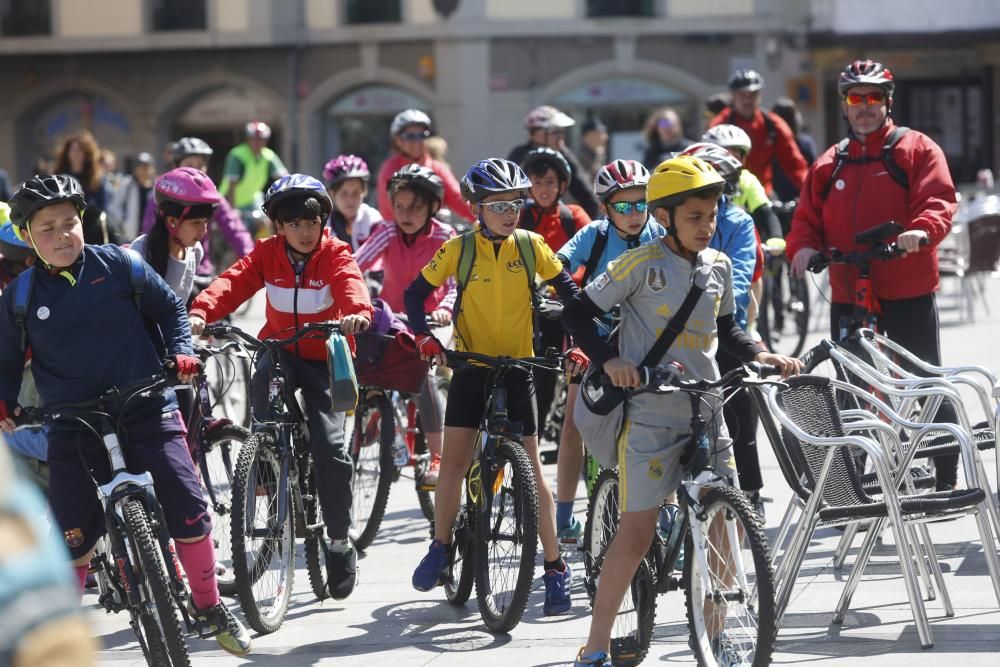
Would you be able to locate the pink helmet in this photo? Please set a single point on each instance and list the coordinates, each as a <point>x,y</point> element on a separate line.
<point>344,167</point>
<point>186,185</point>
<point>258,129</point>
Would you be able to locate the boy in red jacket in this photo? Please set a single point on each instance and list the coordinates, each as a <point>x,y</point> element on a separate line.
<point>309,277</point>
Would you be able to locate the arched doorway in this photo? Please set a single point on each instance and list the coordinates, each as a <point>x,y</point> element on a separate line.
<point>624,104</point>
<point>219,115</point>
<point>358,122</point>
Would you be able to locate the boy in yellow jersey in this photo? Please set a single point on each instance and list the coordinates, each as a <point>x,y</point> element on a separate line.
<point>494,317</point>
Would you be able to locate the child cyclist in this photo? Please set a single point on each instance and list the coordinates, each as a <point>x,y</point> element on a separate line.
<point>352,220</point>
<point>403,247</point>
<point>621,187</point>
<point>495,319</point>
<point>309,277</point>
<point>81,302</point>
<point>648,282</point>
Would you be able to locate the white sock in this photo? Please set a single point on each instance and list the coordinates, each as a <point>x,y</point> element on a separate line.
<point>340,546</point>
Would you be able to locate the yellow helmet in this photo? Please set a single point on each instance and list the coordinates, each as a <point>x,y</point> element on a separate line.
<point>678,178</point>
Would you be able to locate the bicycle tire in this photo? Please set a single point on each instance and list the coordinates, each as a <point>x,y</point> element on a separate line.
<point>371,453</point>
<point>218,447</point>
<point>257,476</point>
<point>630,642</point>
<point>601,525</point>
<point>424,497</point>
<point>502,612</point>
<point>314,551</point>
<point>762,615</point>
<point>155,582</point>
<point>793,302</point>
<point>461,570</point>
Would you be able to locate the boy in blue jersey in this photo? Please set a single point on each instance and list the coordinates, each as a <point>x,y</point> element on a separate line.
<point>87,335</point>
<point>621,187</point>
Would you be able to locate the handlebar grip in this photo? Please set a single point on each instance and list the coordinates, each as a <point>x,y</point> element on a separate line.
<point>764,370</point>
<point>817,263</point>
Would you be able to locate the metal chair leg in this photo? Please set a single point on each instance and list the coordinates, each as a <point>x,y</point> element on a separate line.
<point>935,566</point>
<point>992,561</point>
<point>905,551</point>
<point>918,553</point>
<point>844,545</point>
<point>794,505</point>
<point>860,563</point>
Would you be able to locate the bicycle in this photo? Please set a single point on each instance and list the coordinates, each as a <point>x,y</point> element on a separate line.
<point>785,297</point>
<point>214,444</point>
<point>496,531</point>
<point>134,563</point>
<point>720,547</point>
<point>274,494</point>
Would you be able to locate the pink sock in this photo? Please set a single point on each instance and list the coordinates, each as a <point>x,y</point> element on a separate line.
<point>81,575</point>
<point>198,559</point>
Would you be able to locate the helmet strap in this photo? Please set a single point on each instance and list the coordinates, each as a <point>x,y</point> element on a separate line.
<point>65,273</point>
<point>672,235</point>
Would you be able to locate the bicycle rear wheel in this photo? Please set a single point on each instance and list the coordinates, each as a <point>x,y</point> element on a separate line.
<point>507,541</point>
<point>159,614</point>
<point>371,451</point>
<point>784,311</point>
<point>602,524</point>
<point>217,460</point>
<point>729,583</point>
<point>315,554</point>
<point>633,628</point>
<point>263,542</point>
<point>458,586</point>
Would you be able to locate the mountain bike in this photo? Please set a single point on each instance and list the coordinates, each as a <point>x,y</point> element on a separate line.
<point>783,318</point>
<point>496,530</point>
<point>133,563</point>
<point>274,493</point>
<point>727,575</point>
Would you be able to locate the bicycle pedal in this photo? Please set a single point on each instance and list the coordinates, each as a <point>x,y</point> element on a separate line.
<point>430,488</point>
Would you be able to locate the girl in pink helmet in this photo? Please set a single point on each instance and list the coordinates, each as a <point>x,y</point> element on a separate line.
<point>185,202</point>
<point>346,179</point>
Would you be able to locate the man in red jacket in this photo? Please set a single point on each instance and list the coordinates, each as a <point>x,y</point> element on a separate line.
<point>771,137</point>
<point>864,193</point>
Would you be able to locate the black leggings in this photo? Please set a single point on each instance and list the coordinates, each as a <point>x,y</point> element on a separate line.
<point>545,382</point>
<point>741,420</point>
<point>913,323</point>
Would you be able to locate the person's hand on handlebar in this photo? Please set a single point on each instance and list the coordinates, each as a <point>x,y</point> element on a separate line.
<point>801,261</point>
<point>352,324</point>
<point>910,241</point>
<point>441,317</point>
<point>186,366</point>
<point>197,325</point>
<point>622,373</point>
<point>577,361</point>
<point>431,349</point>
<point>787,365</point>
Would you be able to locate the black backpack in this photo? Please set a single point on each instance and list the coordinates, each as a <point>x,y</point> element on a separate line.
<point>842,157</point>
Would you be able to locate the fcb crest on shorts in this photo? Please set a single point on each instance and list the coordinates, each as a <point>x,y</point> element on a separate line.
<point>73,537</point>
<point>656,278</point>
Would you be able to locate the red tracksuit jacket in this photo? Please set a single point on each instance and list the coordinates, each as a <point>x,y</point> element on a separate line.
<point>764,150</point>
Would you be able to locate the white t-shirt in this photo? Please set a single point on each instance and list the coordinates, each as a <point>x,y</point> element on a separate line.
<point>180,272</point>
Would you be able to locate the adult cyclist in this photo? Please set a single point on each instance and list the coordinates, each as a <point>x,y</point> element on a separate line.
<point>248,170</point>
<point>847,194</point>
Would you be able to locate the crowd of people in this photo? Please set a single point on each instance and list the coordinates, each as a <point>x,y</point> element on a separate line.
<point>633,238</point>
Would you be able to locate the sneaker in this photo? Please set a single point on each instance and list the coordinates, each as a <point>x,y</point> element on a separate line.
<point>557,597</point>
<point>224,625</point>
<point>341,572</point>
<point>571,534</point>
<point>430,477</point>
<point>595,659</point>
<point>432,569</point>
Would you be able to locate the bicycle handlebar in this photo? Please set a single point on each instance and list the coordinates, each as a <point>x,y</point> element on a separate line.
<point>33,416</point>
<point>551,362</point>
<point>232,331</point>
<point>665,379</point>
<point>883,251</point>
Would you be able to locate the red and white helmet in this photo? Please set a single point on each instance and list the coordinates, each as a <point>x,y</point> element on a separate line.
<point>866,72</point>
<point>619,175</point>
<point>258,129</point>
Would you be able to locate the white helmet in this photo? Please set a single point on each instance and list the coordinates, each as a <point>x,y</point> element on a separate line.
<point>409,117</point>
<point>547,117</point>
<point>728,136</point>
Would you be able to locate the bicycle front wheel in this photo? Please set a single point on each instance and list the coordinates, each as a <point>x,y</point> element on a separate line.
<point>371,451</point>
<point>217,460</point>
<point>263,542</point>
<point>165,635</point>
<point>729,583</point>
<point>507,527</point>
<point>784,311</point>
<point>602,524</point>
<point>458,586</point>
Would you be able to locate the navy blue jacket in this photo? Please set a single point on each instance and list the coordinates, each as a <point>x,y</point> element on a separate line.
<point>90,337</point>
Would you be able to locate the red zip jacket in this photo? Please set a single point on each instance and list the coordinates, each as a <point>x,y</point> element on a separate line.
<point>763,149</point>
<point>549,225</point>
<point>329,287</point>
<point>453,199</point>
<point>866,196</point>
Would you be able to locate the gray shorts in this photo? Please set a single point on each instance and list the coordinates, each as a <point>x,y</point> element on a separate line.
<point>649,463</point>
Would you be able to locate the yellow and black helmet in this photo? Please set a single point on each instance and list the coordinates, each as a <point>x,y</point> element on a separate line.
<point>676,179</point>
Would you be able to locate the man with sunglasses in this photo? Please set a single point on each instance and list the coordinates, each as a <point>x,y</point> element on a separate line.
<point>771,138</point>
<point>856,185</point>
<point>546,126</point>
<point>408,133</point>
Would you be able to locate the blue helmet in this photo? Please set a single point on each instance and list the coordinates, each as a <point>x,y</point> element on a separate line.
<point>11,246</point>
<point>297,185</point>
<point>492,176</point>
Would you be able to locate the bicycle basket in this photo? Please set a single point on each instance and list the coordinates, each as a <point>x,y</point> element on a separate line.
<point>397,368</point>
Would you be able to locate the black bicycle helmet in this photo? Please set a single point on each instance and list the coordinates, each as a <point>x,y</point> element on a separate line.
<point>419,176</point>
<point>866,73</point>
<point>43,190</point>
<point>746,79</point>
<point>186,146</point>
<point>550,157</point>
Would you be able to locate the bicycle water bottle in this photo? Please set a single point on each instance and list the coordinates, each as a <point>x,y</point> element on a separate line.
<point>702,455</point>
<point>669,525</point>
<point>400,452</point>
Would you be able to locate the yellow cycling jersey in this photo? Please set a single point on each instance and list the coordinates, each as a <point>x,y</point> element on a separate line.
<point>495,316</point>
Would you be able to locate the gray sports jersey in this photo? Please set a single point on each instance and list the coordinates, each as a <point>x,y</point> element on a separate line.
<point>650,282</point>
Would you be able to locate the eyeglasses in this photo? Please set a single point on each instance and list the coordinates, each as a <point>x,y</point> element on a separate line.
<point>504,207</point>
<point>415,136</point>
<point>626,207</point>
<point>871,99</point>
<point>665,123</point>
